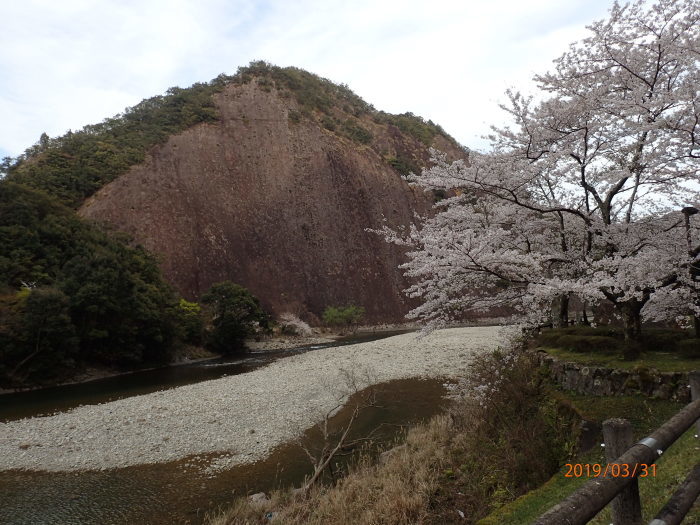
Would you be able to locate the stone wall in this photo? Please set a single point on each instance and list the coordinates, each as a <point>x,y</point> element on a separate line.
<point>600,381</point>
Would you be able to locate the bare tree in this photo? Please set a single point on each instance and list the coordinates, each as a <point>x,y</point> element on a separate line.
<point>354,388</point>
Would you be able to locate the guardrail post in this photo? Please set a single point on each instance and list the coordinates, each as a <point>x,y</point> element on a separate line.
<point>583,504</point>
<point>626,508</point>
<point>695,393</point>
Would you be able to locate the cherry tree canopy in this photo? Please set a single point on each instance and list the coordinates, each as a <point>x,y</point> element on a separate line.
<point>582,194</point>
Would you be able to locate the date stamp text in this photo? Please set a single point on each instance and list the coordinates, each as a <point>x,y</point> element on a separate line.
<point>611,470</point>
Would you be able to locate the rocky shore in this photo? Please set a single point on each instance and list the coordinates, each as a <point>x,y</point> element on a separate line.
<point>289,343</point>
<point>240,418</point>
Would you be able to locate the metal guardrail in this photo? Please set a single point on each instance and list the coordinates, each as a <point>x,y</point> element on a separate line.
<point>591,498</point>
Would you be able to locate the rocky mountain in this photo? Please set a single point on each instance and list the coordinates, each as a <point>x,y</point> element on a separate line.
<point>276,194</point>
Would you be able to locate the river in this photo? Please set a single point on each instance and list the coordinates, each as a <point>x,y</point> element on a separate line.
<point>46,401</point>
<point>179,492</point>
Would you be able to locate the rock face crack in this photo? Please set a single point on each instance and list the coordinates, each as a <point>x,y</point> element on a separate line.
<point>221,416</point>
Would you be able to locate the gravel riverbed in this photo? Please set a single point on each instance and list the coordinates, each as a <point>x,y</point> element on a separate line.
<point>240,418</point>
<point>289,343</point>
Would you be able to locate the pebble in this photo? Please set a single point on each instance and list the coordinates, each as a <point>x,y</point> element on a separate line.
<point>251,412</point>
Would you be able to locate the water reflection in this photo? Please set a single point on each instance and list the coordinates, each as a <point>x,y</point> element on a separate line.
<point>181,492</point>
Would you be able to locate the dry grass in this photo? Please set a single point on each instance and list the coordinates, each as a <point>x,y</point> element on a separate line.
<point>509,436</point>
<point>506,437</point>
<point>396,493</point>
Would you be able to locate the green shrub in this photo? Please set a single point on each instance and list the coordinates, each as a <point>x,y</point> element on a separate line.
<point>235,315</point>
<point>403,165</point>
<point>265,84</point>
<point>294,116</point>
<point>589,343</point>
<point>689,348</point>
<point>662,339</point>
<point>355,132</point>
<point>413,125</point>
<point>329,123</point>
<point>439,195</point>
<point>515,434</point>
<point>343,315</point>
<point>189,319</point>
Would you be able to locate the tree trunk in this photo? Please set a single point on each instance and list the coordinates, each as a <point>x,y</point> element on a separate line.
<point>584,315</point>
<point>37,350</point>
<point>696,323</point>
<point>325,461</point>
<point>561,304</point>
<point>632,329</point>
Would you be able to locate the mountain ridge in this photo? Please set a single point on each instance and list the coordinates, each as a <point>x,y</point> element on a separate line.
<point>269,178</point>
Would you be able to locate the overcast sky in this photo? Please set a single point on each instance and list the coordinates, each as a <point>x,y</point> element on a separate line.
<point>68,63</point>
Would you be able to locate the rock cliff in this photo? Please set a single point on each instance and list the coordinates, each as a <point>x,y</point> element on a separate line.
<point>274,197</point>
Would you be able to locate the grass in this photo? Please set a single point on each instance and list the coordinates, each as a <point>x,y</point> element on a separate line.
<point>661,361</point>
<point>645,415</point>
<point>659,348</point>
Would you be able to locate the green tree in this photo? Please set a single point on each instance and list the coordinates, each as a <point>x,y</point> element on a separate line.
<point>122,310</point>
<point>343,316</point>
<point>235,315</point>
<point>37,337</point>
<point>189,319</point>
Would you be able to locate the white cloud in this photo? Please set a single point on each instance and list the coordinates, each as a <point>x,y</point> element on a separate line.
<point>67,64</point>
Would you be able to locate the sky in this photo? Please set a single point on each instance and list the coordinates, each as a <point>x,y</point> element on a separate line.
<point>65,64</point>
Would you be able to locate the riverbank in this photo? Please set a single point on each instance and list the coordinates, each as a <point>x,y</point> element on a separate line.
<point>191,355</point>
<point>508,430</point>
<point>95,373</point>
<point>291,342</point>
<point>239,418</point>
<point>504,433</point>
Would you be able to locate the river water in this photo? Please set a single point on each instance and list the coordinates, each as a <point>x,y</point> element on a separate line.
<point>55,399</point>
<point>180,491</point>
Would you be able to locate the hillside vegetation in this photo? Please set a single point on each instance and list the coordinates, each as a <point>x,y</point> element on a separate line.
<point>72,293</point>
<point>74,166</point>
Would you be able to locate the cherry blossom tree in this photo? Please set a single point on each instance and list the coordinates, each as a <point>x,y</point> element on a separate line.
<point>680,301</point>
<point>581,194</point>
